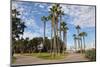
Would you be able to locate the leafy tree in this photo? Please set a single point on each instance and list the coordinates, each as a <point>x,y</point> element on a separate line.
<point>17,27</point>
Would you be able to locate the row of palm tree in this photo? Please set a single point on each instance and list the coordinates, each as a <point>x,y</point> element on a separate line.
<point>80,38</point>
<point>57,27</point>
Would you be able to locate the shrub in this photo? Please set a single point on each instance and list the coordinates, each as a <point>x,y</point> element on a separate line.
<point>91,54</point>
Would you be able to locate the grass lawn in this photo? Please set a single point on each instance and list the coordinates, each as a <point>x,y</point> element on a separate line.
<point>44,55</point>
<point>48,56</point>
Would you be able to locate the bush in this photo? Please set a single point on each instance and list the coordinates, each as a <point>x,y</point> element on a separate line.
<point>91,54</point>
<point>79,51</point>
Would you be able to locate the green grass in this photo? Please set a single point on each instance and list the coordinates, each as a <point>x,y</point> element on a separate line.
<point>48,56</point>
<point>44,55</point>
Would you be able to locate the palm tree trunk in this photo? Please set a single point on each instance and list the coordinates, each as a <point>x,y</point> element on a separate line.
<point>54,41</point>
<point>57,44</point>
<point>78,40</point>
<point>51,39</point>
<point>63,41</point>
<point>60,30</point>
<point>66,39</point>
<point>75,44</point>
<point>84,42</point>
<point>54,31</point>
<point>81,45</point>
<point>44,33</point>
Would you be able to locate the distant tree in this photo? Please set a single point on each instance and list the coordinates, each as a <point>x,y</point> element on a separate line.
<point>17,27</point>
<point>74,35</point>
<point>78,31</point>
<point>80,38</point>
<point>83,35</point>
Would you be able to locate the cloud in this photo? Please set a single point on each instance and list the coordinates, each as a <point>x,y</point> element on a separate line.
<point>41,5</point>
<point>81,15</point>
<point>31,35</point>
<point>28,34</point>
<point>32,30</point>
<point>48,8</point>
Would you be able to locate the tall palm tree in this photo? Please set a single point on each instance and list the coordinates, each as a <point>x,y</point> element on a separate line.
<point>64,28</point>
<point>58,13</point>
<point>74,35</point>
<point>84,34</point>
<point>80,38</point>
<point>44,19</point>
<point>51,19</point>
<point>78,31</point>
<point>53,13</point>
<point>65,35</point>
<point>54,16</point>
<point>61,13</point>
<point>56,24</point>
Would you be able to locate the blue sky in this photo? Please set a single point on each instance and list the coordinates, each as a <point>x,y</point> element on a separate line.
<point>31,14</point>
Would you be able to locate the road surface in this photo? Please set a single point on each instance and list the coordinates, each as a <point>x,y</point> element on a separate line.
<point>72,57</point>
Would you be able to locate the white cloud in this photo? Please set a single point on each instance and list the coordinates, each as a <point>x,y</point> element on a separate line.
<point>42,6</point>
<point>83,15</point>
<point>32,30</point>
<point>48,8</point>
<point>28,34</point>
<point>36,4</point>
<point>31,35</point>
<point>30,22</point>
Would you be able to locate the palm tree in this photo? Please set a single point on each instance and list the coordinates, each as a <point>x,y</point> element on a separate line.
<point>84,34</point>
<point>61,13</point>
<point>44,19</point>
<point>80,38</point>
<point>50,18</point>
<point>78,28</point>
<point>65,35</point>
<point>53,13</point>
<point>74,35</point>
<point>58,10</point>
<point>64,28</point>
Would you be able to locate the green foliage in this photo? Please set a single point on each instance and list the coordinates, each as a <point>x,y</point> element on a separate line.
<point>17,25</point>
<point>48,56</point>
<point>30,46</point>
<point>17,29</point>
<point>91,54</point>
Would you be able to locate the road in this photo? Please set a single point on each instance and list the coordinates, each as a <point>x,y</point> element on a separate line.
<point>72,57</point>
